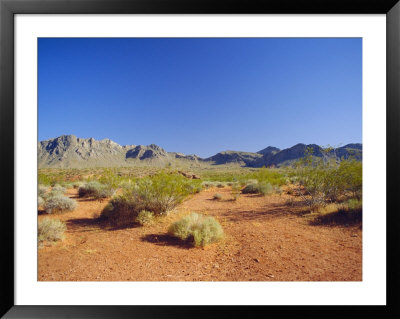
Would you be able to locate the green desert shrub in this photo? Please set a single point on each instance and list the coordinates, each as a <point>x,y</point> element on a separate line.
<point>59,204</point>
<point>269,176</point>
<point>145,218</point>
<point>195,187</point>
<point>96,190</point>
<point>198,229</point>
<point>158,194</point>
<point>111,178</point>
<point>162,192</point>
<point>217,196</point>
<point>51,230</point>
<point>122,210</point>
<point>321,183</point>
<point>350,176</point>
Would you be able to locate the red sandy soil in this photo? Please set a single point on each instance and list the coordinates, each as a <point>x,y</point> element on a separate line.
<point>265,240</point>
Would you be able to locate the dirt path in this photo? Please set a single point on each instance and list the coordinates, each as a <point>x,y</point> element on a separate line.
<point>265,241</point>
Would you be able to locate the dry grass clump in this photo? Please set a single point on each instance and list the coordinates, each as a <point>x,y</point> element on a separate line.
<point>262,188</point>
<point>51,230</point>
<point>197,229</point>
<point>59,204</point>
<point>145,218</point>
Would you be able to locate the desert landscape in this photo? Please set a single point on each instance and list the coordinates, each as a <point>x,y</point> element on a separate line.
<point>283,223</point>
<point>200,159</point>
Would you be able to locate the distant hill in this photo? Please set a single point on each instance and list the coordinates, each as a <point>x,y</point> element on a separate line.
<point>298,151</point>
<point>227,157</point>
<point>70,151</point>
<point>269,150</point>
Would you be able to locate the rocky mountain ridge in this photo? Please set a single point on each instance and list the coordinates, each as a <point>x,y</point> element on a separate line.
<point>69,151</point>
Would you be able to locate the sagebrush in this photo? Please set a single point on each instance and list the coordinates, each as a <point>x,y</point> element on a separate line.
<point>59,204</point>
<point>199,230</point>
<point>263,188</point>
<point>51,230</point>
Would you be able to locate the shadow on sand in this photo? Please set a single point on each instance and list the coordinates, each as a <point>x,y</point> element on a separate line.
<point>93,224</point>
<point>340,218</point>
<point>166,240</point>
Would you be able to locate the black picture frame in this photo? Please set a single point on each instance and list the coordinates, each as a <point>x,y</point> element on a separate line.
<point>8,8</point>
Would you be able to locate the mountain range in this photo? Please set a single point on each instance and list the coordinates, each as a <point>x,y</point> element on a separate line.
<point>69,151</point>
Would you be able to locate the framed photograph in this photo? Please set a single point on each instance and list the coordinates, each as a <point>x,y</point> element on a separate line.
<point>198,154</point>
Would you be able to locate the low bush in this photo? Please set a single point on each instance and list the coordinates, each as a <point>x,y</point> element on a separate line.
<point>145,218</point>
<point>59,204</point>
<point>260,188</point>
<point>158,194</point>
<point>96,190</point>
<point>217,196</point>
<point>197,229</point>
<point>320,183</point>
<point>250,189</point>
<point>51,230</point>
<point>122,211</point>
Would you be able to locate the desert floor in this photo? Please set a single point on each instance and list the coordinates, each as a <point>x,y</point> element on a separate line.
<point>265,240</point>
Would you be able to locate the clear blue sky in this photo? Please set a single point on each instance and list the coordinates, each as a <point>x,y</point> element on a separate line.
<point>203,95</point>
